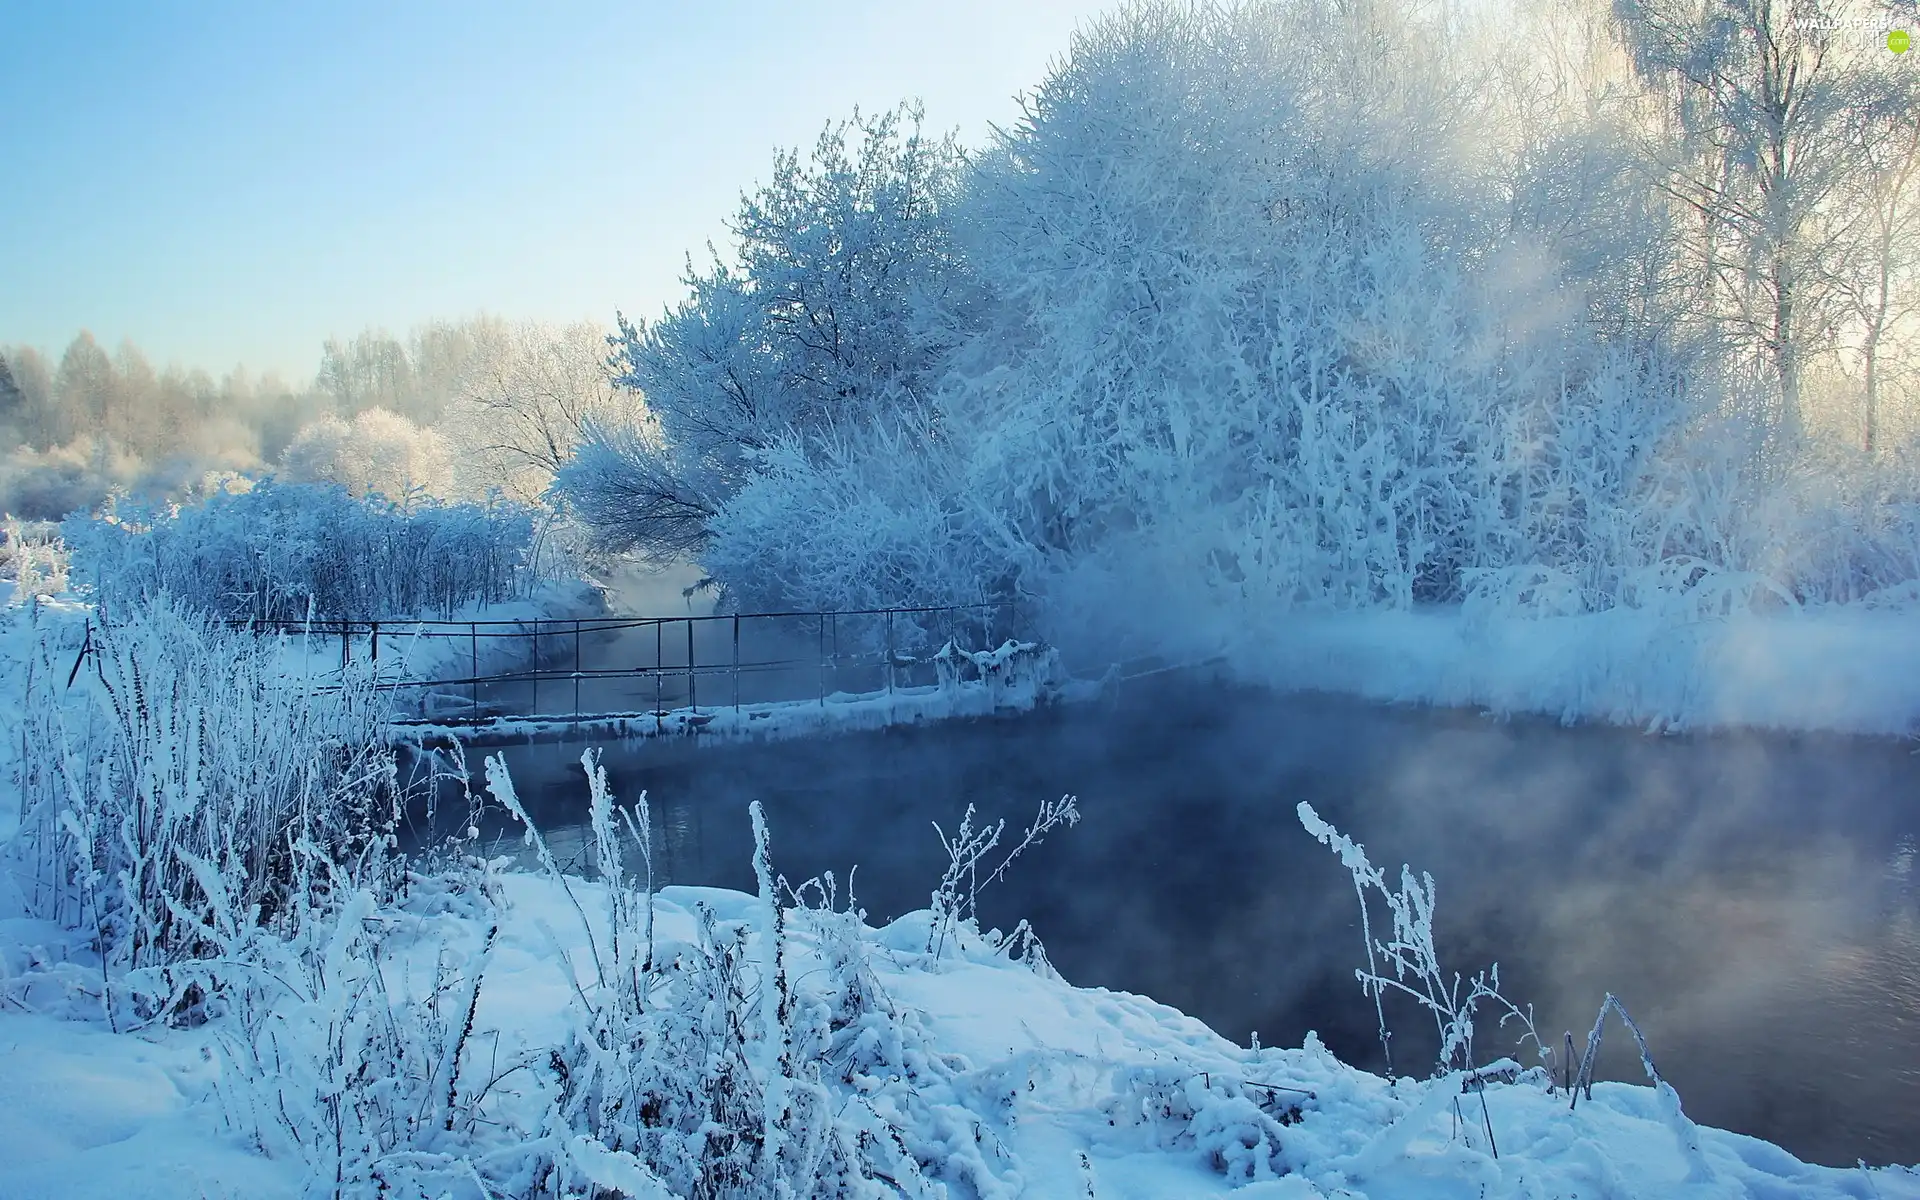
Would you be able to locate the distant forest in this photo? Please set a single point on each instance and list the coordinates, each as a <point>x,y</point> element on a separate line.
<point>450,409</point>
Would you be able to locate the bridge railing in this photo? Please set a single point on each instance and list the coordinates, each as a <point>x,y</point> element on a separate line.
<point>451,672</point>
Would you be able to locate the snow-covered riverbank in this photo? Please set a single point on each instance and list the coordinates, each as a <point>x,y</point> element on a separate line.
<point>1843,669</point>
<point>1003,1081</point>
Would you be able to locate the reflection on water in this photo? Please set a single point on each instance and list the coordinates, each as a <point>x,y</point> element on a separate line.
<point>1751,899</point>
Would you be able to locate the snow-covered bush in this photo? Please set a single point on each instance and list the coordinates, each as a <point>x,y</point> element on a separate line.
<point>221,826</point>
<point>175,779</point>
<point>378,453</point>
<point>336,1056</point>
<point>889,525</point>
<point>283,552</point>
<point>760,1057</point>
<point>752,1054</point>
<point>702,1069</point>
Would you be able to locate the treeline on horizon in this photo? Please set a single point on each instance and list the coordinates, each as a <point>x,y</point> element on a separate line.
<point>452,408</point>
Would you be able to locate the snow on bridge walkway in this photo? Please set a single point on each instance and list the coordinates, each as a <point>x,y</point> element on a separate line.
<point>1013,677</point>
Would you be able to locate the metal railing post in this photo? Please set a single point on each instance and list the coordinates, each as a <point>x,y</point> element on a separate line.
<point>473,666</point>
<point>576,669</point>
<point>376,642</point>
<point>693,696</point>
<point>659,671</point>
<point>535,672</point>
<point>823,658</point>
<point>736,662</point>
<point>889,653</point>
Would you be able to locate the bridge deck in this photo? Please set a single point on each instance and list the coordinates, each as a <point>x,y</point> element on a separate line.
<point>1028,677</point>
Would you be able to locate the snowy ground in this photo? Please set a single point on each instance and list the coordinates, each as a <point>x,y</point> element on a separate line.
<point>1045,1089</point>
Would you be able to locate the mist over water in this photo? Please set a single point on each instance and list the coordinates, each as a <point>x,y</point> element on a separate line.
<point>1751,898</point>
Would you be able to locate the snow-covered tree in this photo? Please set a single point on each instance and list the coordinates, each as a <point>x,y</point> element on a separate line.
<point>1763,107</point>
<point>835,308</point>
<point>1252,325</point>
<point>525,397</point>
<point>1879,281</point>
<point>13,406</point>
<point>377,453</point>
<point>1245,307</point>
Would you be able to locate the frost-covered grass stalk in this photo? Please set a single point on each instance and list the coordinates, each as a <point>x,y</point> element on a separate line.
<point>1454,1005</point>
<point>1416,973</point>
<point>760,1059</point>
<point>287,552</point>
<point>1686,1135</point>
<point>956,899</point>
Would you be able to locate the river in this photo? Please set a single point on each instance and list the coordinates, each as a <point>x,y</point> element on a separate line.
<point>1752,899</point>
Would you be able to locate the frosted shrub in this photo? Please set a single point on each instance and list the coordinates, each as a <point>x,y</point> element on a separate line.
<point>190,785</point>
<point>669,1079</point>
<point>224,831</point>
<point>33,556</point>
<point>956,900</point>
<point>889,524</point>
<point>759,1059</point>
<point>284,552</point>
<point>335,1055</point>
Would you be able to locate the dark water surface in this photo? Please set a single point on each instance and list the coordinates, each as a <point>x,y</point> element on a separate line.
<point>1752,899</point>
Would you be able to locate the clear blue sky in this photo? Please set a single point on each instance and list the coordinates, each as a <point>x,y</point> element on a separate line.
<point>232,182</point>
